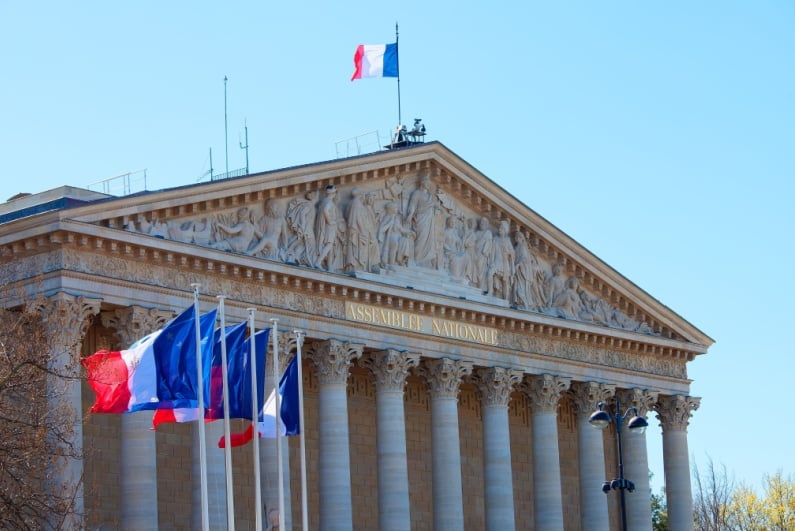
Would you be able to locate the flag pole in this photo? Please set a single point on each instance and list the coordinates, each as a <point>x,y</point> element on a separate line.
<point>230,494</point>
<point>400,122</point>
<point>299,339</point>
<point>276,382</point>
<point>254,422</point>
<point>200,396</point>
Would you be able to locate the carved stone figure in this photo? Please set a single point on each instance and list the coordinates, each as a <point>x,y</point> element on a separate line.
<point>360,255</point>
<point>203,233</point>
<point>421,218</point>
<point>239,234</point>
<point>501,264</point>
<point>395,239</point>
<point>455,259</point>
<point>555,283</point>
<point>482,254</point>
<point>469,240</point>
<point>271,227</point>
<point>595,309</point>
<point>528,279</point>
<point>301,247</point>
<point>330,232</point>
<point>568,303</point>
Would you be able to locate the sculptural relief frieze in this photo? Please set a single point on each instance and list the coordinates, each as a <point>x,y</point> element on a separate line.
<point>401,225</point>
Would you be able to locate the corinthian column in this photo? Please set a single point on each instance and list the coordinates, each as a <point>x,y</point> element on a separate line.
<point>66,319</point>
<point>444,381</point>
<point>390,369</point>
<point>636,460</point>
<point>674,413</point>
<point>495,385</point>
<point>138,441</point>
<point>591,453</point>
<point>544,392</point>
<point>332,360</point>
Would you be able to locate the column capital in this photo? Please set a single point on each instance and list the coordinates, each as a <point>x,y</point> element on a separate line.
<point>390,367</point>
<point>586,396</point>
<point>66,318</point>
<point>641,399</point>
<point>674,411</point>
<point>134,322</point>
<point>444,376</point>
<point>495,384</point>
<point>332,359</point>
<point>544,391</point>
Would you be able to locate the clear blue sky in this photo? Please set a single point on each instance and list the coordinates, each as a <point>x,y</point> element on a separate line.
<point>660,135</point>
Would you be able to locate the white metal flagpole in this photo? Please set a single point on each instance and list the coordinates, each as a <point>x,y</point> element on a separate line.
<point>254,422</point>
<point>276,381</point>
<point>200,391</point>
<point>230,491</point>
<point>299,339</point>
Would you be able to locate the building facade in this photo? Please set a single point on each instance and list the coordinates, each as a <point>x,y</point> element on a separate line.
<point>455,344</point>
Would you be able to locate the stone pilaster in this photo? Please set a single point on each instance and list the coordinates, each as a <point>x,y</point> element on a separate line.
<point>544,392</point>
<point>586,397</point>
<point>636,460</point>
<point>390,368</point>
<point>495,385</point>
<point>66,319</point>
<point>332,360</point>
<point>138,440</point>
<point>674,413</point>
<point>444,381</point>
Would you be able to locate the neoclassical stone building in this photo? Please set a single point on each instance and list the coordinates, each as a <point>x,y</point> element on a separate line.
<point>455,344</point>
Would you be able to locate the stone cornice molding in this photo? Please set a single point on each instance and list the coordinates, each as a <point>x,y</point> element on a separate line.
<point>390,368</point>
<point>495,384</point>
<point>586,396</point>
<point>674,412</point>
<point>134,322</point>
<point>444,376</point>
<point>332,359</point>
<point>544,391</point>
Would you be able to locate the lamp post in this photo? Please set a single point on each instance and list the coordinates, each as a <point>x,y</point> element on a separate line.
<point>601,419</point>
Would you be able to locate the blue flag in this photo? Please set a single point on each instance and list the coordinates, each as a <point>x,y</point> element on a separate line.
<point>176,360</point>
<point>240,376</point>
<point>213,375</point>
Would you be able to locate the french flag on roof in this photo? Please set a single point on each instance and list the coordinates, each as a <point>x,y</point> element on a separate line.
<point>375,60</point>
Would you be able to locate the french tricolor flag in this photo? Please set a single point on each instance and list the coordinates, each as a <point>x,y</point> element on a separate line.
<point>375,60</point>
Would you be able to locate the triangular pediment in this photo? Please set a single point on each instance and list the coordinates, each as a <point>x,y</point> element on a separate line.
<point>418,218</point>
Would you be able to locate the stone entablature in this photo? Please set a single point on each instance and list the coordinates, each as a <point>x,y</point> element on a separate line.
<point>292,293</point>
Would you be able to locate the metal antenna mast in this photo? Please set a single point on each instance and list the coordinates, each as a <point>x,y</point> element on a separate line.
<point>226,130</point>
<point>245,128</point>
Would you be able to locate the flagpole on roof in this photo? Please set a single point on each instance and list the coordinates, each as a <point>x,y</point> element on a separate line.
<point>299,340</point>
<point>230,491</point>
<point>400,122</point>
<point>276,383</point>
<point>254,422</point>
<point>200,396</point>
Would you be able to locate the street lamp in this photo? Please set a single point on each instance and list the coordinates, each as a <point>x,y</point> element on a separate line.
<point>601,419</point>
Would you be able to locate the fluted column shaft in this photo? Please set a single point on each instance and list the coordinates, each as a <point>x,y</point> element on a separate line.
<point>332,360</point>
<point>66,319</point>
<point>594,514</point>
<point>674,413</point>
<point>544,392</point>
<point>444,380</point>
<point>138,440</point>
<point>636,461</point>
<point>268,452</point>
<point>390,369</point>
<point>495,385</point>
